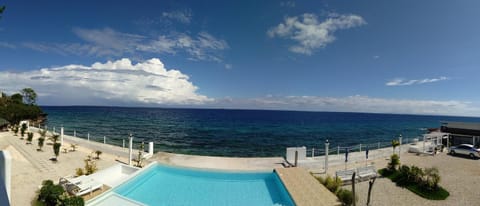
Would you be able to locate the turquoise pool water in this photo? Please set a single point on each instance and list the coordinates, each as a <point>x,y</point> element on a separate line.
<point>164,185</point>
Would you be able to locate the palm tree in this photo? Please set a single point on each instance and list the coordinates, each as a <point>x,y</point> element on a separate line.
<point>395,143</point>
<point>54,138</point>
<point>56,150</point>
<point>98,153</point>
<point>15,130</point>
<point>29,137</point>
<point>41,140</point>
<point>23,129</point>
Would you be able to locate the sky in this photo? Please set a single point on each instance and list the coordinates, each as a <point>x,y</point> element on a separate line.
<point>409,57</point>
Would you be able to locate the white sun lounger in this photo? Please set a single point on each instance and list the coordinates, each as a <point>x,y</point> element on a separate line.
<point>367,172</point>
<point>80,185</point>
<point>345,175</point>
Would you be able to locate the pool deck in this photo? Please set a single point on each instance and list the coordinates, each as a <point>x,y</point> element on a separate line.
<point>304,189</point>
<point>219,163</point>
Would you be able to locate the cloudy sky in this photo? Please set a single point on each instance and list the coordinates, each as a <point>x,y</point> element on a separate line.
<point>415,57</point>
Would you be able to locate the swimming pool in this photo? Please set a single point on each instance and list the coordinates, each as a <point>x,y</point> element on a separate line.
<point>166,185</point>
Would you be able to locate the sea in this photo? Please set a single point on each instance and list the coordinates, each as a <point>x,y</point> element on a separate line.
<point>238,133</point>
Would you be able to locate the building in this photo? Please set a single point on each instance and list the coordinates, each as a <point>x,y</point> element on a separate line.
<point>462,132</point>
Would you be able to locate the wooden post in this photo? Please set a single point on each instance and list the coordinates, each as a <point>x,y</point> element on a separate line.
<point>353,189</point>
<point>370,185</point>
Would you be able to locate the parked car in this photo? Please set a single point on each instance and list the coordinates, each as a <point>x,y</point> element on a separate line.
<point>465,149</point>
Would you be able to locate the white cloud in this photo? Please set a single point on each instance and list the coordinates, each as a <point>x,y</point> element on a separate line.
<point>7,45</point>
<point>311,34</point>
<point>111,43</point>
<point>355,103</point>
<point>118,82</point>
<point>180,16</point>
<point>406,82</point>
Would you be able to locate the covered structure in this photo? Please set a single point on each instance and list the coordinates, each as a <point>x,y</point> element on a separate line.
<point>462,132</point>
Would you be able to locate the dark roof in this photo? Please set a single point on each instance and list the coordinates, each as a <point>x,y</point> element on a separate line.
<point>462,128</point>
<point>3,122</point>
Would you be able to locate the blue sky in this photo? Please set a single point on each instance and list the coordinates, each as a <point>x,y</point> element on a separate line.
<point>417,57</point>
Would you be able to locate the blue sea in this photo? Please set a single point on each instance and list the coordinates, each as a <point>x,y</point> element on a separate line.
<point>237,133</point>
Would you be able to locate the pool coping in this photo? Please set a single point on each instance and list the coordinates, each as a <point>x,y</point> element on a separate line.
<point>304,189</point>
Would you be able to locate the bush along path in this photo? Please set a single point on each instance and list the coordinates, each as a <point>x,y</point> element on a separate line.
<point>423,182</point>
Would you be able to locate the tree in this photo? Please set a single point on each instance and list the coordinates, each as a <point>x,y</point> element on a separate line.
<point>16,98</point>
<point>29,96</point>
<point>23,129</point>
<point>54,138</point>
<point>2,8</point>
<point>98,153</point>
<point>41,140</point>
<point>56,150</point>
<point>395,143</point>
<point>15,130</point>
<point>29,137</point>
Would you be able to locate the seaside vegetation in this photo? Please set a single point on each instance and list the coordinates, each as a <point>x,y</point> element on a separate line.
<point>54,195</point>
<point>23,128</point>
<point>423,182</point>
<point>56,150</point>
<point>334,185</point>
<point>29,137</point>
<point>20,106</point>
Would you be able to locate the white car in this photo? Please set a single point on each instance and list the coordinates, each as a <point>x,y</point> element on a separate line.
<point>465,149</point>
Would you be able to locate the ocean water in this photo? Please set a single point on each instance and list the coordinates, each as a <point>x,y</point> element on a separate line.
<point>205,188</point>
<point>240,133</point>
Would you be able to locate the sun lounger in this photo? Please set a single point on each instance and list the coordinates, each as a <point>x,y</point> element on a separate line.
<point>367,172</point>
<point>345,175</point>
<point>86,187</point>
<point>80,185</point>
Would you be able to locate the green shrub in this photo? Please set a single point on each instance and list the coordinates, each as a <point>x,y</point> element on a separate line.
<point>54,195</point>
<point>346,196</point>
<point>41,140</point>
<point>30,137</point>
<point>79,172</point>
<point>423,182</point>
<point>49,193</point>
<point>56,149</point>
<point>394,162</point>
<point>72,201</point>
<point>332,184</point>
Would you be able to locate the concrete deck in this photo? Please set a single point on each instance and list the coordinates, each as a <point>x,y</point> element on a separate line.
<point>304,189</point>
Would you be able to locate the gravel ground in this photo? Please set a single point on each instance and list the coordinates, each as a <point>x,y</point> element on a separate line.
<point>459,175</point>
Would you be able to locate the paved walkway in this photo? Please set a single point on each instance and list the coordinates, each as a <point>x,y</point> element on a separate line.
<point>40,163</point>
<point>304,189</point>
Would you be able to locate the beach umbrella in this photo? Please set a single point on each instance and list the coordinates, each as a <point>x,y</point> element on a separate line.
<point>346,154</point>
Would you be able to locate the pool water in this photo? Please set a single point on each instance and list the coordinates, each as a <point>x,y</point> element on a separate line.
<point>165,185</point>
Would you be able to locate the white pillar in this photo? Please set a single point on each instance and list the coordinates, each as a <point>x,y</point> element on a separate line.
<point>123,143</point>
<point>313,152</point>
<point>360,147</point>
<point>130,145</point>
<point>53,130</point>
<point>88,136</point>
<point>423,143</point>
<point>104,140</point>
<point>74,133</point>
<point>61,135</point>
<point>400,145</point>
<point>150,148</point>
<point>6,171</point>
<point>326,155</point>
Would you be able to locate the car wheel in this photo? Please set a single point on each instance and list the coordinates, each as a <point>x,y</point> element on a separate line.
<point>452,152</point>
<point>472,156</point>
